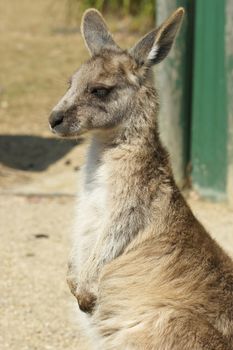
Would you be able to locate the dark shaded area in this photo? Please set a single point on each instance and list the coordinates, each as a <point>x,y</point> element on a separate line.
<point>33,153</point>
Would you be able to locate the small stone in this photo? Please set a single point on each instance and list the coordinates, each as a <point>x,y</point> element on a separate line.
<point>68,162</point>
<point>41,235</point>
<point>30,255</point>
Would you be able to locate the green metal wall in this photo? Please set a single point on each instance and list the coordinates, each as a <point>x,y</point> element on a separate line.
<point>209,113</point>
<point>196,81</point>
<point>229,78</point>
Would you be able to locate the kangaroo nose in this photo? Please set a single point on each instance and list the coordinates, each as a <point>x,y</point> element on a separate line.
<point>55,119</point>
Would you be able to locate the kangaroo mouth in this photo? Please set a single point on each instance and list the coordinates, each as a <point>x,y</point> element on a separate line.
<point>64,131</point>
<point>60,130</point>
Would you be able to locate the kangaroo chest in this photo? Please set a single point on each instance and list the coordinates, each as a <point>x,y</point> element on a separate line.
<point>94,181</point>
<point>92,203</point>
<point>95,190</point>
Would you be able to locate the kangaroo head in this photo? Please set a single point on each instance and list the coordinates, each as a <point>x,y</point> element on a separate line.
<point>103,91</point>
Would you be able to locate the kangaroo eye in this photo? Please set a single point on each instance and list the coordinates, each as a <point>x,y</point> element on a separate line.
<point>100,91</point>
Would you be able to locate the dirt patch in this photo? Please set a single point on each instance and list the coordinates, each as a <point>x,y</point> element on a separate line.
<point>35,303</point>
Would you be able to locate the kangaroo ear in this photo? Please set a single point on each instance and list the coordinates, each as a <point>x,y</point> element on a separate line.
<point>155,46</point>
<point>95,32</point>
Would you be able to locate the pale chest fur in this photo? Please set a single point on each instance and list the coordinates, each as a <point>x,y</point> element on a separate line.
<point>91,211</point>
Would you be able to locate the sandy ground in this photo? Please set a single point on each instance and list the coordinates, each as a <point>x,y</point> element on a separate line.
<point>36,308</point>
<point>35,303</point>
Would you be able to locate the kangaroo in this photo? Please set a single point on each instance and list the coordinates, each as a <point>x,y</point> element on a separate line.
<point>145,272</point>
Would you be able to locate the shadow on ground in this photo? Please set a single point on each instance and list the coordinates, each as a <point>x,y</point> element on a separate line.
<point>33,153</point>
